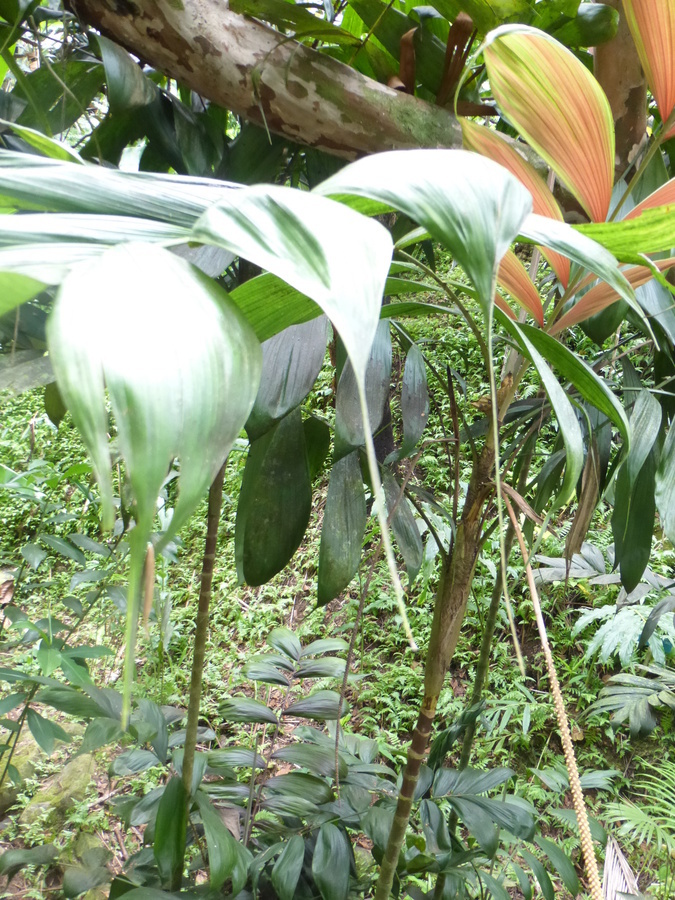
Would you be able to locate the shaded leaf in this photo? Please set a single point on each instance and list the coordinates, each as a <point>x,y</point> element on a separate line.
<point>320,760</point>
<point>321,705</point>
<point>45,732</point>
<point>241,709</point>
<point>285,641</point>
<point>287,868</point>
<point>330,863</point>
<point>12,861</point>
<point>170,832</point>
<point>220,843</point>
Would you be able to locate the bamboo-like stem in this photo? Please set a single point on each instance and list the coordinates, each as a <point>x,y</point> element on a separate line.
<point>451,599</point>
<point>563,723</point>
<point>201,628</point>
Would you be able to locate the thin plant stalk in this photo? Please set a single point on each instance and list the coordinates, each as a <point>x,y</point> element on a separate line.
<point>202,627</point>
<point>588,853</point>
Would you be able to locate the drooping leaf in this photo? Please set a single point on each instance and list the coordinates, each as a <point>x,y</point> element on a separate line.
<point>540,874</point>
<point>487,142</point>
<point>348,424</point>
<point>170,833</point>
<point>219,842</point>
<point>513,277</point>
<point>558,107</point>
<point>634,506</point>
<point>330,864</point>
<point>127,86</point>
<point>627,239</point>
<point>266,672</point>
<point>275,501</point>
<point>468,203</point>
<point>131,762</point>
<point>567,419</point>
<point>414,403</point>
<point>320,760</point>
<point>12,861</point>
<point>328,667</point>
<point>344,525</point>
<point>100,732</point>
<point>665,486</point>
<point>45,732</point>
<point>161,412</point>
<point>404,525</point>
<point>291,362</point>
<point>562,864</point>
<point>652,25</point>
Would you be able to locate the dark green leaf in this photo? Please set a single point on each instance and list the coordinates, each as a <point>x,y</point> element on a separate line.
<point>324,645</point>
<point>403,525</point>
<point>44,731</point>
<point>414,402</point>
<point>285,641</point>
<point>320,760</point>
<point>170,833</point>
<point>540,874</point>
<point>317,440</point>
<point>33,555</point>
<point>666,605</point>
<point>235,756</point>
<point>275,501</point>
<point>344,524</point>
<point>292,360</point>
<point>150,725</point>
<point>260,670</point>
<point>561,863</point>
<point>99,733</point>
<point>330,863</point>
<point>496,889</point>
<point>79,879</point>
<point>308,786</point>
<point>322,705</point>
<point>289,805</point>
<point>220,843</point>
<point>86,543</point>
<point>65,548</point>
<point>13,861</point>
<point>329,667</point>
<point>288,867</point>
<point>71,701</point>
<point>468,782</point>
<point>241,709</point>
<point>634,506</point>
<point>128,88</point>
<point>10,702</point>
<point>131,762</point>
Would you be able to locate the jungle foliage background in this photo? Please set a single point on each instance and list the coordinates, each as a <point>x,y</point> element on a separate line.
<point>233,695</point>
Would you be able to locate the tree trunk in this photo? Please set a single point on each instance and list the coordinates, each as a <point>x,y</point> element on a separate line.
<point>269,79</point>
<point>617,68</point>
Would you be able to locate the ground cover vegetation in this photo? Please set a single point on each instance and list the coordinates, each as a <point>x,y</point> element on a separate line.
<point>228,452</point>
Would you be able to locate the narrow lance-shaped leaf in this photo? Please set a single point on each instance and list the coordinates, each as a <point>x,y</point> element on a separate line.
<point>489,143</point>
<point>665,486</point>
<point>567,419</point>
<point>652,25</point>
<point>513,277</point>
<point>123,340</point>
<point>558,107</point>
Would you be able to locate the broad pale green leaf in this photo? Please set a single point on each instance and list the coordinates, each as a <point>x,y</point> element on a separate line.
<point>580,249</point>
<point>330,864</point>
<point>665,486</point>
<point>306,240</point>
<point>270,305</point>
<point>564,411</point>
<point>33,182</point>
<point>275,501</point>
<point>139,321</point>
<point>45,732</point>
<point>170,833</point>
<point>242,709</point>
<point>288,867</point>
<point>291,362</point>
<point>86,227</point>
<point>71,701</point>
<point>45,145</point>
<point>219,842</point>
<point>645,423</point>
<point>344,524</point>
<point>471,205</point>
<point>652,231</point>
<point>16,288</point>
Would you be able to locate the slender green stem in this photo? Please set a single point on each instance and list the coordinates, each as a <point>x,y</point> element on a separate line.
<point>202,627</point>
